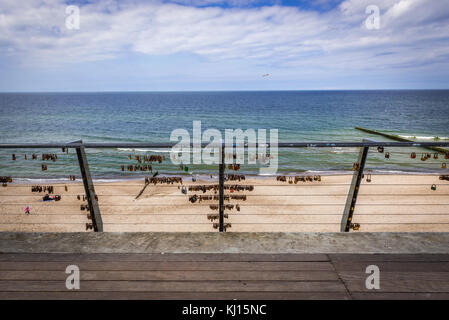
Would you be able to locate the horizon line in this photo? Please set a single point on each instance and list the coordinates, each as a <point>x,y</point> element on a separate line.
<point>255,90</point>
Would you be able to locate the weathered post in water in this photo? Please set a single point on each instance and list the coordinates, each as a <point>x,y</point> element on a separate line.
<point>398,138</point>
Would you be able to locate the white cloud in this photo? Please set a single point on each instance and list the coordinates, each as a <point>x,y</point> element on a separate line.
<point>413,33</point>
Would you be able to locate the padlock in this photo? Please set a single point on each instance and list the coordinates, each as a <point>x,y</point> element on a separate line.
<point>435,155</point>
<point>355,166</point>
<point>433,187</point>
<point>446,156</point>
<point>380,149</point>
<point>443,166</point>
<point>387,155</point>
<point>423,157</point>
<point>368,178</point>
<point>413,155</point>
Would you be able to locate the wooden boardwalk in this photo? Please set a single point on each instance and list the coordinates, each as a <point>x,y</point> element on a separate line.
<point>223,276</point>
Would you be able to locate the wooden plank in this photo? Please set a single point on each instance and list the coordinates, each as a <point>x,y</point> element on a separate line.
<point>173,265</point>
<point>63,257</point>
<point>175,275</point>
<point>388,257</point>
<point>392,266</point>
<point>73,295</point>
<point>388,276</point>
<point>179,286</point>
<point>400,296</point>
<point>402,285</point>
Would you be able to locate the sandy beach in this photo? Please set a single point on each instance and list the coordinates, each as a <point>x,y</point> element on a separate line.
<point>401,203</point>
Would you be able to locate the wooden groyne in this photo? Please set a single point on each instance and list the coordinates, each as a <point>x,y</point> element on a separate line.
<point>398,138</point>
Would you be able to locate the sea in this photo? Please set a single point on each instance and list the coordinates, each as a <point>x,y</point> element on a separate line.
<point>151,117</point>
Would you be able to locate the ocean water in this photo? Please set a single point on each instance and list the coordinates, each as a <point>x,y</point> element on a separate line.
<point>151,117</point>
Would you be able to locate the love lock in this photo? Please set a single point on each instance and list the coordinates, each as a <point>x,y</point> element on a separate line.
<point>443,166</point>
<point>433,187</point>
<point>355,166</point>
<point>387,155</point>
<point>380,149</point>
<point>354,226</point>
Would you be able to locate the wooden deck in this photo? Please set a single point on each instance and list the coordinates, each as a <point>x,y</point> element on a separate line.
<point>223,276</point>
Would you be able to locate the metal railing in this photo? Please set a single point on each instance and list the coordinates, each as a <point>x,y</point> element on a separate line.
<point>347,216</point>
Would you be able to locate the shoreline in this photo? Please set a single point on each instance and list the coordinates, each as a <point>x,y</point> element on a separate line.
<point>206,177</point>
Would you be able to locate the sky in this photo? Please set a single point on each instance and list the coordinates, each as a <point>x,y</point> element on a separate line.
<point>196,45</point>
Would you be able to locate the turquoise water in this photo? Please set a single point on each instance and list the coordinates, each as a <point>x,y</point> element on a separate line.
<point>151,117</point>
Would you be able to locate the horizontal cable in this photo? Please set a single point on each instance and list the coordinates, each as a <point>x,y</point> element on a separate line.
<point>243,204</point>
<point>259,195</point>
<point>233,212</point>
<point>57,185</point>
<point>321,223</point>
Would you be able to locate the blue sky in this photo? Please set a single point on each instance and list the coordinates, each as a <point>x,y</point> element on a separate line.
<point>150,45</point>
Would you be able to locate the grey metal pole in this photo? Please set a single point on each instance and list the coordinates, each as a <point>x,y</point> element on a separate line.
<point>89,189</point>
<point>353,191</point>
<point>221,188</point>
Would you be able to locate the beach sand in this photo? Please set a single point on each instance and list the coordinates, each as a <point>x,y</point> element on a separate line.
<point>390,203</point>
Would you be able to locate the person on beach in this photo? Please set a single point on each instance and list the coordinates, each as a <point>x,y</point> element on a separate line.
<point>27,210</point>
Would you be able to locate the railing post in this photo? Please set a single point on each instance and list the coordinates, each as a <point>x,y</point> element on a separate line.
<point>221,188</point>
<point>354,190</point>
<point>89,189</point>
